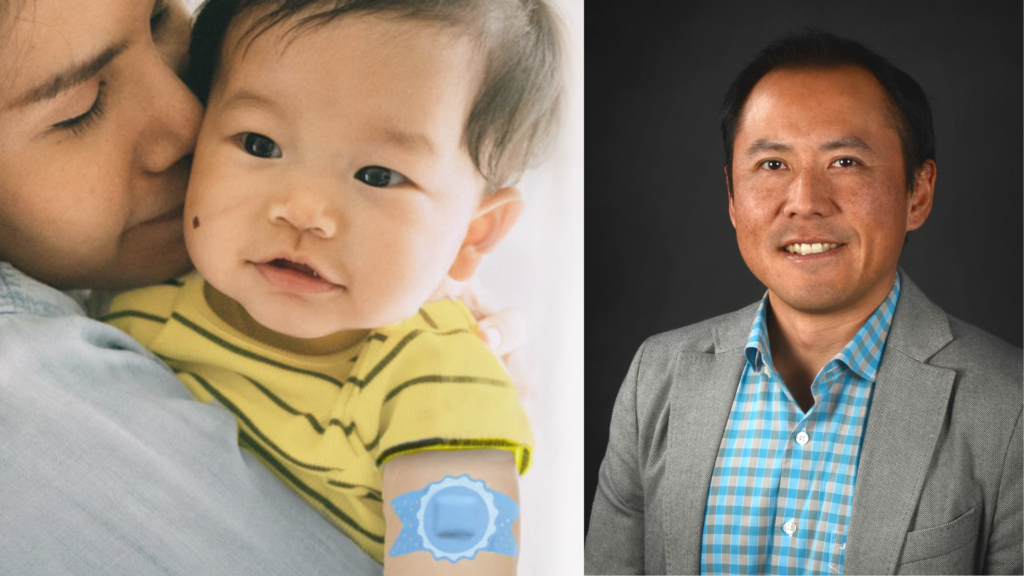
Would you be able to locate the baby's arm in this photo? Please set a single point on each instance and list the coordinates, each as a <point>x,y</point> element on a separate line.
<point>416,472</point>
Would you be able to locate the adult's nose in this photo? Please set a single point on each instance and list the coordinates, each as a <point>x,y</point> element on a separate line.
<point>173,116</point>
<point>809,195</point>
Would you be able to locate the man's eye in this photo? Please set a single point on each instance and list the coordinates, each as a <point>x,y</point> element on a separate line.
<point>845,163</point>
<point>260,146</point>
<point>380,177</point>
<point>773,164</point>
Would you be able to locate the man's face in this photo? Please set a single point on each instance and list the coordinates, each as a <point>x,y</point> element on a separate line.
<point>817,161</point>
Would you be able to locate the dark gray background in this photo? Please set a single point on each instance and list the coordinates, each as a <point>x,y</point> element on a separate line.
<point>660,251</point>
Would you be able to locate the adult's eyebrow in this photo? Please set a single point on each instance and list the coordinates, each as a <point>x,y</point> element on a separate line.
<point>845,142</point>
<point>71,76</point>
<point>764,145</point>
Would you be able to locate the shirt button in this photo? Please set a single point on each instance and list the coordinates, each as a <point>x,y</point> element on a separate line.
<point>789,527</point>
<point>767,371</point>
<point>802,438</point>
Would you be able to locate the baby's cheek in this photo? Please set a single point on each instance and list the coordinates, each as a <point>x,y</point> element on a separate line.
<point>405,292</point>
<point>198,241</point>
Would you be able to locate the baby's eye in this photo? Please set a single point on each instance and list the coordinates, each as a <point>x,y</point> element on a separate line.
<point>260,146</point>
<point>379,176</point>
<point>845,163</point>
<point>773,165</point>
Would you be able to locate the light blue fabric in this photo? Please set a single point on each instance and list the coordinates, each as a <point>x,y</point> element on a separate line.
<point>108,465</point>
<point>783,483</point>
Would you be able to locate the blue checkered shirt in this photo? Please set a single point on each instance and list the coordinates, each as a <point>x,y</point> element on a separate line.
<point>780,496</point>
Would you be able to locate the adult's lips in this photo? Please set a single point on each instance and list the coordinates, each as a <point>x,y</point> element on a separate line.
<point>805,248</point>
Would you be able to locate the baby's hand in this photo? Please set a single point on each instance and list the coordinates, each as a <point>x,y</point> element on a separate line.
<point>504,331</point>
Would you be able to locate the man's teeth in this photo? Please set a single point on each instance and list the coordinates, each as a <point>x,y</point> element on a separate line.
<point>804,249</point>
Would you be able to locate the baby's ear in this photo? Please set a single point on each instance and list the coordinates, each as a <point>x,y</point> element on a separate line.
<point>497,213</point>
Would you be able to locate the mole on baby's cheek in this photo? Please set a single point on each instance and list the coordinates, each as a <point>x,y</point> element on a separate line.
<point>195,222</point>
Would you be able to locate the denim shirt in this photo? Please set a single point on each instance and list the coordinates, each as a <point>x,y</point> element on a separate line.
<point>47,334</point>
<point>109,466</point>
<point>21,294</point>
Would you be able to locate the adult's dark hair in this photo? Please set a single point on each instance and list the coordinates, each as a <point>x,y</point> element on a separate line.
<point>517,108</point>
<point>908,105</point>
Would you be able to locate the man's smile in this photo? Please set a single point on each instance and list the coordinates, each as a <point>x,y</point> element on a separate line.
<point>804,249</point>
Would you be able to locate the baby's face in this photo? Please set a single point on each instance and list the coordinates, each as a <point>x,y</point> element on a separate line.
<point>330,188</point>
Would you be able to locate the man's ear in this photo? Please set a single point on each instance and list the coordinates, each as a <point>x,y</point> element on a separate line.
<point>728,188</point>
<point>924,190</point>
<point>497,213</point>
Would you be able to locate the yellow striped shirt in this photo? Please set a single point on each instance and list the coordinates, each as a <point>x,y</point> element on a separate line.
<point>327,422</point>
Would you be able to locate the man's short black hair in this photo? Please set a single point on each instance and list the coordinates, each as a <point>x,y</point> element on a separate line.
<point>908,105</point>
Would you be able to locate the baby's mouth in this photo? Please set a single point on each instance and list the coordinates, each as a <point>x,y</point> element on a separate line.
<point>295,266</point>
<point>296,277</point>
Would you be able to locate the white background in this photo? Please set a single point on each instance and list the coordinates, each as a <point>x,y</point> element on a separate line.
<point>539,271</point>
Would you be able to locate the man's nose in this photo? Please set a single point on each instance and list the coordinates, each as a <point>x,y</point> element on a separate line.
<point>809,195</point>
<point>307,207</point>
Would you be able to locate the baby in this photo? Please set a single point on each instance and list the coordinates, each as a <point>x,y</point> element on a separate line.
<point>354,154</point>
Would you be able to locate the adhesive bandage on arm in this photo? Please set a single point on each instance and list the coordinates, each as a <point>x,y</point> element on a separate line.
<point>455,518</point>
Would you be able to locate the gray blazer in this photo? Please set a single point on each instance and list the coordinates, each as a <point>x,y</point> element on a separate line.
<point>939,487</point>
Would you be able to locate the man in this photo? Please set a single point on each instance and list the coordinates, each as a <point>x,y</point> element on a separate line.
<point>844,424</point>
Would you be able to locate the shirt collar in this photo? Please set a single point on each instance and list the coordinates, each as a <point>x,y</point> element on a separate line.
<point>22,294</point>
<point>862,354</point>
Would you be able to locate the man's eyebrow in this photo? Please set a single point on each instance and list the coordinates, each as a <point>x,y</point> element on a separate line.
<point>764,145</point>
<point>71,76</point>
<point>845,142</point>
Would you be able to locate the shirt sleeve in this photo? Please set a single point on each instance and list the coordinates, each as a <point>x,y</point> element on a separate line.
<point>1005,545</point>
<point>446,391</point>
<point>615,541</point>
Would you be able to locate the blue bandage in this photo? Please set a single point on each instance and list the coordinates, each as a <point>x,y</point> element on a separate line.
<point>455,518</point>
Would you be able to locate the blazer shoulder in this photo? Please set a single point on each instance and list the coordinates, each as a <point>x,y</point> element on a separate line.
<point>655,363</point>
<point>705,336</point>
<point>985,365</point>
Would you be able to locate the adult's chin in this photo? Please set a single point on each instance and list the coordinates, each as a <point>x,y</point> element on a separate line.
<point>148,255</point>
<point>108,276</point>
<point>812,299</point>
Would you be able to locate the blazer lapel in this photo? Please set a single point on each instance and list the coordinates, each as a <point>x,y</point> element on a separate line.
<point>907,412</point>
<point>702,394</point>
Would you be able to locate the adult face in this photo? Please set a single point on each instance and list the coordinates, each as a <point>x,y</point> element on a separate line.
<point>818,167</point>
<point>97,129</point>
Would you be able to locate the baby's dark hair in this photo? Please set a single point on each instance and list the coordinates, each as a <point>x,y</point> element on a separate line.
<point>516,111</point>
